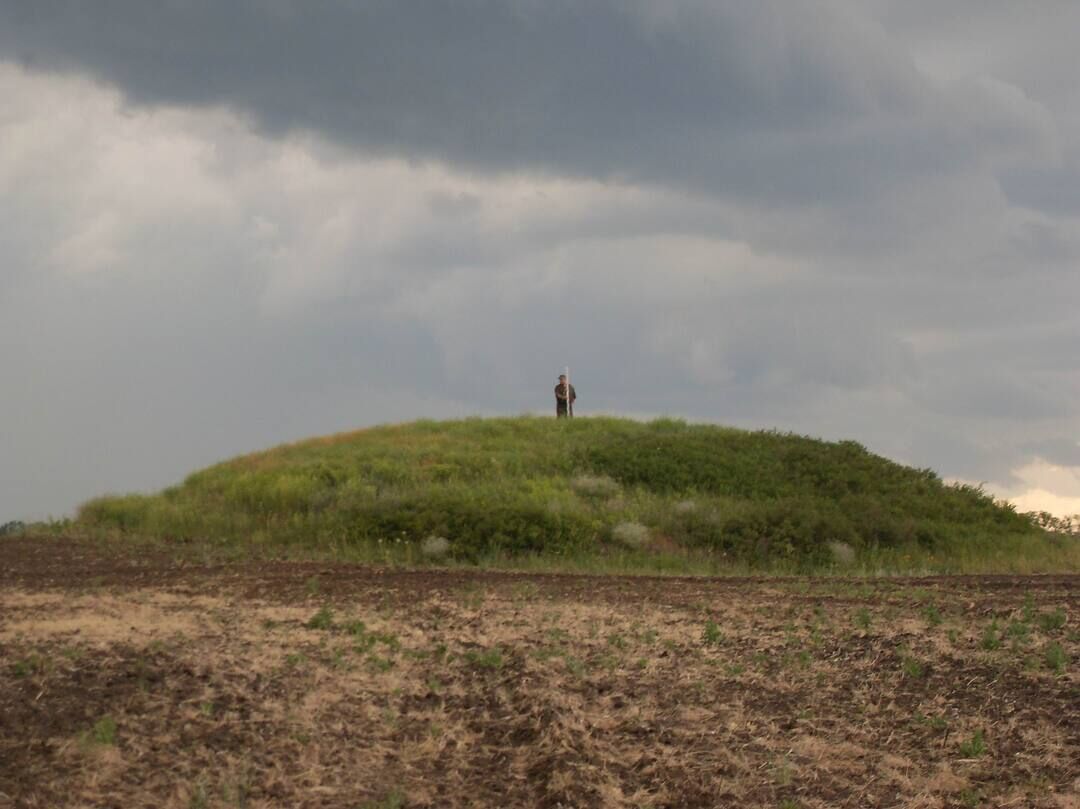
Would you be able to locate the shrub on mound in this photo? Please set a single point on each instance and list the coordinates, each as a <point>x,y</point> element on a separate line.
<point>475,526</point>
<point>536,486</point>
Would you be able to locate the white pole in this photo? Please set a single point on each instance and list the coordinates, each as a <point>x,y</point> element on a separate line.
<point>569,413</point>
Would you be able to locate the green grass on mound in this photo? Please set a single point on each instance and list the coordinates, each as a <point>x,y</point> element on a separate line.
<point>596,491</point>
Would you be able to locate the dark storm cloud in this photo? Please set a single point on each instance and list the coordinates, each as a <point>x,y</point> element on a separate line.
<point>770,100</point>
<point>848,219</point>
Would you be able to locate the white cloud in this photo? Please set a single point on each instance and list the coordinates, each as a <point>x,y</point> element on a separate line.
<point>831,249</point>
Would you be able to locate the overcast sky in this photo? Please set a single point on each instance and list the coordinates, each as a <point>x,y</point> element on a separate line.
<point>228,225</point>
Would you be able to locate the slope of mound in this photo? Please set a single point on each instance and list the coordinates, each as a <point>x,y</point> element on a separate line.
<point>479,488</point>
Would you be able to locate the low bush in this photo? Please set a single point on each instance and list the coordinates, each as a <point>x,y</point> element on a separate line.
<point>480,488</point>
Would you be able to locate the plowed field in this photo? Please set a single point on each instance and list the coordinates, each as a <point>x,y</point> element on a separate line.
<point>138,680</point>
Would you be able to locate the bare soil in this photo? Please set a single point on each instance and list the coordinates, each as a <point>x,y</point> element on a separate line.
<point>134,679</point>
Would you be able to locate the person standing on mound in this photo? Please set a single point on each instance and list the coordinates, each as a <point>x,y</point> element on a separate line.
<point>564,398</point>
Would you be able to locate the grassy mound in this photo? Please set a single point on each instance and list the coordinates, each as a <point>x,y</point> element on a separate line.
<point>484,489</point>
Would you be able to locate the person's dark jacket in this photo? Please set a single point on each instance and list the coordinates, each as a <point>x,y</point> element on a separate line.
<point>560,398</point>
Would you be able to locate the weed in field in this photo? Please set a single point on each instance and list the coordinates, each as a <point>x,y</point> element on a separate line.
<point>1056,658</point>
<point>938,723</point>
<point>973,747</point>
<point>523,594</point>
<point>471,596</point>
<point>932,615</point>
<point>102,733</point>
<point>574,666</point>
<point>1028,610</point>
<point>379,664</point>
<point>206,709</point>
<point>862,618</point>
<point>323,619</point>
<point>200,798</point>
<point>32,664</point>
<point>1051,621</point>
<point>970,798</point>
<point>491,659</point>
<point>648,637</point>
<point>783,773</point>
<point>338,660</point>
<point>788,803</point>
<point>237,788</point>
<point>954,636</point>
<point>357,629</point>
<point>295,659</point>
<point>1018,631</point>
<point>544,653</point>
<point>991,637</point>
<point>312,586</point>
<point>617,641</point>
<point>711,635</point>
<point>394,799</point>
<point>912,667</point>
<point>435,685</point>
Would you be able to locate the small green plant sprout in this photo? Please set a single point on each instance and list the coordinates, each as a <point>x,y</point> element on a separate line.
<point>1029,608</point>
<point>379,664</point>
<point>991,637</point>
<point>862,618</point>
<point>938,723</point>
<point>788,803</point>
<point>711,635</point>
<point>913,669</point>
<point>311,586</point>
<point>1056,658</point>
<point>394,799</point>
<point>1051,621</point>
<point>103,732</point>
<point>1018,631</point>
<point>574,666</point>
<point>973,747</point>
<point>932,615</point>
<point>970,798</point>
<point>323,619</point>
<point>490,659</point>
<point>616,641</point>
<point>199,798</point>
<point>34,664</point>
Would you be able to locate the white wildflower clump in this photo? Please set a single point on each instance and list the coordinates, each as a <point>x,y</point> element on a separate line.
<point>596,486</point>
<point>631,534</point>
<point>842,553</point>
<point>435,547</point>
